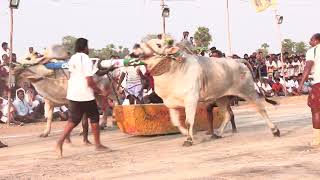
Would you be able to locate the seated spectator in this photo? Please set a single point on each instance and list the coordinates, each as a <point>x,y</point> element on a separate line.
<point>61,112</point>
<point>35,101</point>
<point>278,88</point>
<point>266,88</point>
<point>292,86</point>
<point>4,113</point>
<point>23,110</point>
<point>270,80</point>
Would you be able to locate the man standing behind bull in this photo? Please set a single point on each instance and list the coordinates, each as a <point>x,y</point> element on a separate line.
<point>80,93</point>
<point>313,65</point>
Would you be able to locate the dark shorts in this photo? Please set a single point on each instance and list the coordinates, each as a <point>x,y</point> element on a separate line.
<point>314,97</point>
<point>78,109</point>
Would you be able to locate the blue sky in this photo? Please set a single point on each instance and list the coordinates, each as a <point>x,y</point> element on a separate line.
<point>40,23</point>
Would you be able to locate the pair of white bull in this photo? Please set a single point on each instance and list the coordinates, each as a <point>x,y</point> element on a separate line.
<point>180,83</point>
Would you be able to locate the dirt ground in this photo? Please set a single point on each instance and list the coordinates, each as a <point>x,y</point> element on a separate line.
<point>252,153</point>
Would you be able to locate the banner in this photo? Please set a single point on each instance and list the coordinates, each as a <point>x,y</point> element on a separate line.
<point>261,5</point>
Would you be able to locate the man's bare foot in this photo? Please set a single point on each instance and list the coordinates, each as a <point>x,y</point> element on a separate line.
<point>59,150</point>
<point>209,132</point>
<point>102,148</point>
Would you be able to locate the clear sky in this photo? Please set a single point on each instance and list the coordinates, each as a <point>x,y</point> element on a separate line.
<point>40,23</point>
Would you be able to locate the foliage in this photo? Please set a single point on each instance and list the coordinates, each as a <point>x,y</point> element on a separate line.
<point>288,46</point>
<point>301,48</point>
<point>104,53</point>
<point>202,37</point>
<point>264,49</point>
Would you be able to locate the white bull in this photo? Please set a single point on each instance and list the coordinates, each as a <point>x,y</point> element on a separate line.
<point>183,82</point>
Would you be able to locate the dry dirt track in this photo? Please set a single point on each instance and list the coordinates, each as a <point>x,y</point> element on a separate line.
<point>253,153</point>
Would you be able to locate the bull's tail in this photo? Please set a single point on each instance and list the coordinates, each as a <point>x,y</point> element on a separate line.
<point>273,102</point>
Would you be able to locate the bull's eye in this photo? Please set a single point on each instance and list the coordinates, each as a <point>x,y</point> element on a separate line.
<point>159,45</point>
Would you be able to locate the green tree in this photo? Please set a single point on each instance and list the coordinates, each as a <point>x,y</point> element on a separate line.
<point>264,49</point>
<point>288,46</point>
<point>300,47</point>
<point>202,37</point>
<point>68,42</point>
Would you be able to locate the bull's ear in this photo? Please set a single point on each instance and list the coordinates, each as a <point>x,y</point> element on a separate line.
<point>173,50</point>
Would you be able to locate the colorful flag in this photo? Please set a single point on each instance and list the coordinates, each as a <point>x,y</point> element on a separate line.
<point>262,5</point>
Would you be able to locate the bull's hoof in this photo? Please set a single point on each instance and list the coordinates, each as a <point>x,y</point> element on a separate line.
<point>214,136</point>
<point>276,133</point>
<point>234,130</point>
<point>44,135</point>
<point>188,142</point>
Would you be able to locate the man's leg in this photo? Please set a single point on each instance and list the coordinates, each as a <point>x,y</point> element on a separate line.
<point>66,133</point>
<point>76,113</point>
<point>316,126</point>
<point>93,114</point>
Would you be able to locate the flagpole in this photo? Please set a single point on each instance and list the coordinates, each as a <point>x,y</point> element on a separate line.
<point>280,42</point>
<point>228,27</point>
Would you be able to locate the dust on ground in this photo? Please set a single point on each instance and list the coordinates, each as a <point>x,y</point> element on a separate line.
<point>252,153</point>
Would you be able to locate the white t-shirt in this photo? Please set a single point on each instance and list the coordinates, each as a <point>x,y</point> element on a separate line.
<point>132,77</point>
<point>80,67</point>
<point>313,54</point>
<point>296,69</point>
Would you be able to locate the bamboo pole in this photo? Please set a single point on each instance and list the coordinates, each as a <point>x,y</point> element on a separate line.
<point>10,62</point>
<point>228,27</point>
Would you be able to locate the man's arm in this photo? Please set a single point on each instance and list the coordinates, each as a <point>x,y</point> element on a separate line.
<point>121,79</point>
<point>306,72</point>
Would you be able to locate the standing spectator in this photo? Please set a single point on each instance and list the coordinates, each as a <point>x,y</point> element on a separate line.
<point>296,66</point>
<point>290,68</point>
<point>191,41</point>
<point>185,35</point>
<point>313,65</point>
<point>31,54</point>
<point>271,65</point>
<point>80,93</point>
<point>4,49</point>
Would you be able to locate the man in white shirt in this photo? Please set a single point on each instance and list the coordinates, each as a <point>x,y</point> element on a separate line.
<point>313,65</point>
<point>80,93</point>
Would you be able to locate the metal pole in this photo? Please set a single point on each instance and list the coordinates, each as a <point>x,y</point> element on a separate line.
<point>163,19</point>
<point>280,42</point>
<point>228,27</point>
<point>10,61</point>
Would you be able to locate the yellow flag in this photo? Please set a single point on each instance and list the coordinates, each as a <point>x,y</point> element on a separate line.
<point>262,5</point>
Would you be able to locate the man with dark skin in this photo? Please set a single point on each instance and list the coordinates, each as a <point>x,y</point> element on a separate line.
<point>80,93</point>
<point>313,65</point>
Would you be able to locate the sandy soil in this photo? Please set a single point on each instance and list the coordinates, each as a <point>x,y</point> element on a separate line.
<point>252,153</point>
